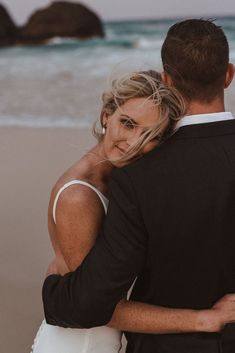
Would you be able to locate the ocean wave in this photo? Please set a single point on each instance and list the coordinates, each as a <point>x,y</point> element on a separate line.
<point>60,84</point>
<point>59,43</point>
<point>130,40</point>
<point>146,43</point>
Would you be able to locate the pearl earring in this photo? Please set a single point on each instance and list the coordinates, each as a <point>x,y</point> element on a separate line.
<point>103,130</point>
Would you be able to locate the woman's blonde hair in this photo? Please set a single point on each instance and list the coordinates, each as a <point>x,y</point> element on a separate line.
<point>149,85</point>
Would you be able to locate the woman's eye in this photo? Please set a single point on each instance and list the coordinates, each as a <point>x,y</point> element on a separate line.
<point>127,123</point>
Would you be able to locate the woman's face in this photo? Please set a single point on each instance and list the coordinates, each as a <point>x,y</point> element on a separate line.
<point>126,125</point>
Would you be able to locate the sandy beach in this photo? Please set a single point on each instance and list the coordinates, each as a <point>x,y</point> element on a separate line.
<point>31,160</point>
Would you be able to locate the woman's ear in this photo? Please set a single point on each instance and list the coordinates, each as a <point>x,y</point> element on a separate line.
<point>229,75</point>
<point>105,119</point>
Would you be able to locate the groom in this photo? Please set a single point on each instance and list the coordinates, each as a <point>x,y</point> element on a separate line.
<point>171,218</point>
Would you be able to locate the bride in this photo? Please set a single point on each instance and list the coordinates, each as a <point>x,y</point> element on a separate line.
<point>138,113</point>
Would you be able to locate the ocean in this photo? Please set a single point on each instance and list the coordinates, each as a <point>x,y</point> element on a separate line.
<point>60,84</point>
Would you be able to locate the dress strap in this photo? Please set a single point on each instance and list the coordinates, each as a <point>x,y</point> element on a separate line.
<point>102,198</point>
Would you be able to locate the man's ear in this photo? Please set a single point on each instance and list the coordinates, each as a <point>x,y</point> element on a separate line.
<point>229,75</point>
<point>167,80</point>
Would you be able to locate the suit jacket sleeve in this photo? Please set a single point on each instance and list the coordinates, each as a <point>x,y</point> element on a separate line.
<point>87,297</point>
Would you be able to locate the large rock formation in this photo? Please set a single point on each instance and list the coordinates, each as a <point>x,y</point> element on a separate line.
<point>8,30</point>
<point>61,19</point>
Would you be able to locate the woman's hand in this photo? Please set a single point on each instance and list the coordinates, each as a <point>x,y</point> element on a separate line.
<point>222,312</point>
<point>57,267</point>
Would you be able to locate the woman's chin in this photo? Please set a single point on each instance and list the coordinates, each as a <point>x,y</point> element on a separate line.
<point>119,164</point>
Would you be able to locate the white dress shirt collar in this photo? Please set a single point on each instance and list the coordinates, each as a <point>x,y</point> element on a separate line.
<point>203,118</point>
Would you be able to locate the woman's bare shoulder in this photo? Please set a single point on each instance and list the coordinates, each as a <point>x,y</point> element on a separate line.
<point>70,174</point>
<point>75,198</point>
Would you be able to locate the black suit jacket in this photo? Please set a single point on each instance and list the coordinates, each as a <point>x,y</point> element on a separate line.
<point>171,222</point>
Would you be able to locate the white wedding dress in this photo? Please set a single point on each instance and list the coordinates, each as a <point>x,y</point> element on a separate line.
<point>54,339</point>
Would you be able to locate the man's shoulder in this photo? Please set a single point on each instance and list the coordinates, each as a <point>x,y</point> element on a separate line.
<point>157,164</point>
<point>161,155</point>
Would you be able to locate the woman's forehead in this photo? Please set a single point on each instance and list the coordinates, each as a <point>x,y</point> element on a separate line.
<point>141,111</point>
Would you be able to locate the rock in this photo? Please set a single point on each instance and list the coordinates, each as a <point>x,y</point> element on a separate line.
<point>8,29</point>
<point>61,19</point>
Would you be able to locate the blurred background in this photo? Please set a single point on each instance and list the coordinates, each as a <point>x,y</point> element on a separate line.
<point>50,95</point>
<point>60,83</point>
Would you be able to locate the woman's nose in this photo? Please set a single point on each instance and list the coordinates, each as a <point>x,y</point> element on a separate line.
<point>133,137</point>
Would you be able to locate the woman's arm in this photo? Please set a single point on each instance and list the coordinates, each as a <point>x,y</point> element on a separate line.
<point>145,318</point>
<point>79,214</point>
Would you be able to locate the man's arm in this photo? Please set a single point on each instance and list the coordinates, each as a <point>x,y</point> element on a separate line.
<point>88,296</point>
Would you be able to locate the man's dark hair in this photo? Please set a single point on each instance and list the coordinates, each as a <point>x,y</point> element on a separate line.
<point>195,54</point>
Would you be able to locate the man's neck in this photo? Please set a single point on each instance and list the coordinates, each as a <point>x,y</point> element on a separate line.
<point>215,106</point>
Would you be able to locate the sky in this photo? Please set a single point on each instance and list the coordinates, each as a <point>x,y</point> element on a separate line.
<point>132,9</point>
